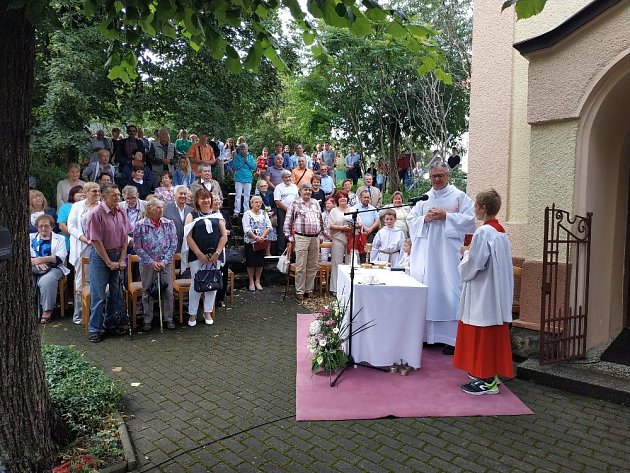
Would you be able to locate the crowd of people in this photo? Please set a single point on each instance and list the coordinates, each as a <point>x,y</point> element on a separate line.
<point>173,204</point>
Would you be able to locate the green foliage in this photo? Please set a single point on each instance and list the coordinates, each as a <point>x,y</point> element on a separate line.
<point>48,174</point>
<point>82,394</point>
<point>377,93</point>
<point>127,23</point>
<point>525,8</point>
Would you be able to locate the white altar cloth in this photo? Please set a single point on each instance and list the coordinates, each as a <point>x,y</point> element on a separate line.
<point>398,311</point>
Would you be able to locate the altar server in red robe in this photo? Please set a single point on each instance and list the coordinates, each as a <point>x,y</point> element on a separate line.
<point>485,308</point>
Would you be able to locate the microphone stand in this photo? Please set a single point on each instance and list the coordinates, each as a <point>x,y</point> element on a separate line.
<point>354,214</point>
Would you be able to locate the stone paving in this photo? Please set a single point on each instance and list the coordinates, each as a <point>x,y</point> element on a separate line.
<point>222,398</point>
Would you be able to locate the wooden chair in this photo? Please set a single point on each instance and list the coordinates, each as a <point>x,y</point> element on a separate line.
<point>324,270</point>
<point>231,279</point>
<point>516,303</point>
<point>85,292</point>
<point>180,287</point>
<point>63,303</point>
<point>134,289</point>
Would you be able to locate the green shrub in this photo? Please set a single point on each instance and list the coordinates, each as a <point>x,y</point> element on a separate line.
<point>82,394</point>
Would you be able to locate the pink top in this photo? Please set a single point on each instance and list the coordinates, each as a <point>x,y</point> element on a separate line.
<point>108,226</point>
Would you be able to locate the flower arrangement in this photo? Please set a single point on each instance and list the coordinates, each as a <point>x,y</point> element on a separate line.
<point>326,336</point>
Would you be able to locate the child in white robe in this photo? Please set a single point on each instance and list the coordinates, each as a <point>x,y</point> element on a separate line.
<point>485,309</point>
<point>403,258</point>
<point>388,241</point>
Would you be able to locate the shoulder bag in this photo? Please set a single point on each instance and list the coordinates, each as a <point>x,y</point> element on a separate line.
<point>208,279</point>
<point>260,245</point>
<point>284,261</point>
<point>234,253</point>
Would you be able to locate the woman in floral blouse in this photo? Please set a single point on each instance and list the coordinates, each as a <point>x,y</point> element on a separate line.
<point>155,242</point>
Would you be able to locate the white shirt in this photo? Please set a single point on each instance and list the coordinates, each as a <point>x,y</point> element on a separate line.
<point>487,274</point>
<point>285,193</point>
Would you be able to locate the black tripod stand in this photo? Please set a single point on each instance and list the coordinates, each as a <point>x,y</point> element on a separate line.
<point>354,214</point>
<point>351,361</point>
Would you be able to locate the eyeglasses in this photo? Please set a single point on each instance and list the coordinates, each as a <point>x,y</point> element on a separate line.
<point>44,225</point>
<point>437,176</point>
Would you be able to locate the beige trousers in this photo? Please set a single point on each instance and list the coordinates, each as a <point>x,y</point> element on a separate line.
<point>306,258</point>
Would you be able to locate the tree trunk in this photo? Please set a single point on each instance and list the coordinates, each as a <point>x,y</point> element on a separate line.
<point>394,139</point>
<point>26,413</point>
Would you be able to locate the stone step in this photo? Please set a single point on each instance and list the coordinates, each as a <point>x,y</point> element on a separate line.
<point>589,377</point>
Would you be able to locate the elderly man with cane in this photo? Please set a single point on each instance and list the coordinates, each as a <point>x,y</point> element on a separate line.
<point>155,242</point>
<point>107,230</point>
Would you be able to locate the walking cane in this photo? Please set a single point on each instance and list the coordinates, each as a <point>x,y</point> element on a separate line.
<point>160,300</point>
<point>38,307</point>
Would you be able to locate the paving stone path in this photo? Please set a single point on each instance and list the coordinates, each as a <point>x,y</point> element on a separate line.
<point>222,398</point>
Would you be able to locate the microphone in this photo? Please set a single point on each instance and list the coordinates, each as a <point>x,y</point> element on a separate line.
<point>420,198</point>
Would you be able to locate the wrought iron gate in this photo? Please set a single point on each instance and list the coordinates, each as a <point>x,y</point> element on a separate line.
<point>565,275</point>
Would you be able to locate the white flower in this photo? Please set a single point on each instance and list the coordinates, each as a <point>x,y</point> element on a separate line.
<point>315,327</point>
<point>336,330</point>
<point>311,348</point>
<point>322,342</point>
<point>320,360</point>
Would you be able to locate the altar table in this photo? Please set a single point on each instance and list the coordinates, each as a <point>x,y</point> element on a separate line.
<point>397,309</point>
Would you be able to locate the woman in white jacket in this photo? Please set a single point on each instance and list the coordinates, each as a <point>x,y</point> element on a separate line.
<point>79,244</point>
<point>48,254</point>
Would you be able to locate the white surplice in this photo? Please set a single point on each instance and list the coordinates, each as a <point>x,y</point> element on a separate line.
<point>486,270</point>
<point>387,245</point>
<point>435,257</point>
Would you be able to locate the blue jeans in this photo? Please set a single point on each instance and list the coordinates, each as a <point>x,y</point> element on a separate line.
<point>100,277</point>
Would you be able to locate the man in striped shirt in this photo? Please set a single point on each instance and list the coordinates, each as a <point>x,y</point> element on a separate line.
<point>305,219</point>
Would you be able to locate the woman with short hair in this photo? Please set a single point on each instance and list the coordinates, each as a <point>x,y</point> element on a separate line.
<point>79,243</point>
<point>401,212</point>
<point>48,254</point>
<point>256,229</point>
<point>340,226</point>
<point>155,242</point>
<point>38,205</point>
<point>205,237</point>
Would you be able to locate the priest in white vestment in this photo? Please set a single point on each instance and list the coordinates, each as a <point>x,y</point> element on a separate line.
<point>437,227</point>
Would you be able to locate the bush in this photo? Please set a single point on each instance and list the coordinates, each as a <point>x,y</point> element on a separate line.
<point>82,394</point>
<point>48,174</point>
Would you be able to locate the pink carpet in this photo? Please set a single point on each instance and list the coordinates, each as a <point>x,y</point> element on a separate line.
<point>362,393</point>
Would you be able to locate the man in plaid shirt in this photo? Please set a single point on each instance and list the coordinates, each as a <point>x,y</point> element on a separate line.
<point>304,220</point>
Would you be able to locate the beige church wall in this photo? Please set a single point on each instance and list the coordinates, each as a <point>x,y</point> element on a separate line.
<point>499,131</point>
<point>555,13</point>
<point>552,174</point>
<point>490,107</point>
<point>561,77</point>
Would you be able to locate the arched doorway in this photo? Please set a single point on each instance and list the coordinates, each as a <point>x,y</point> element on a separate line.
<point>602,187</point>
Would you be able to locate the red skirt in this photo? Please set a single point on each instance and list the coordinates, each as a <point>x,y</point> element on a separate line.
<point>484,351</point>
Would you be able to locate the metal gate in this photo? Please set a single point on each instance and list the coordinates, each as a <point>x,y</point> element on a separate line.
<point>564,301</point>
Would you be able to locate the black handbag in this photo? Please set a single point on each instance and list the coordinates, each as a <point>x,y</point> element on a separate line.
<point>234,254</point>
<point>155,289</point>
<point>208,280</point>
